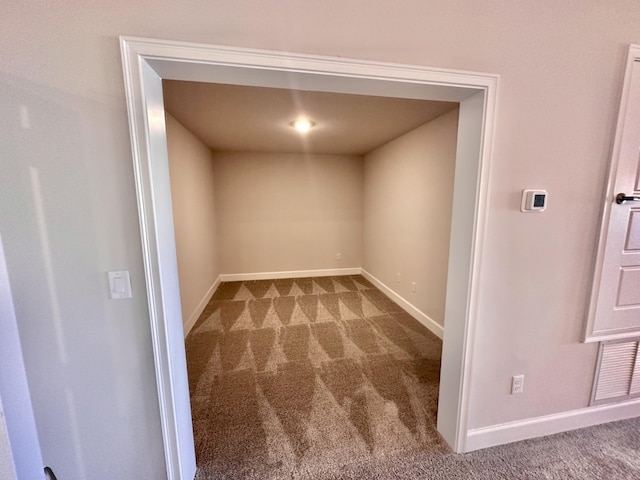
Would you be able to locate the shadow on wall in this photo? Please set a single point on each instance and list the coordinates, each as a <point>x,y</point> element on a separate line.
<point>82,352</point>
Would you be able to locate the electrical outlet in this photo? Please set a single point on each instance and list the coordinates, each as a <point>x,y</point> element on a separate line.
<point>398,277</point>
<point>517,384</point>
<point>338,256</point>
<point>413,287</point>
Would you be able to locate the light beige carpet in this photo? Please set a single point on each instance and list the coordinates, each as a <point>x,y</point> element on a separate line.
<point>326,378</point>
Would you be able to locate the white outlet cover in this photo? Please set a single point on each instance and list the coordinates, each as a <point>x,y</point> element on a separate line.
<point>517,384</point>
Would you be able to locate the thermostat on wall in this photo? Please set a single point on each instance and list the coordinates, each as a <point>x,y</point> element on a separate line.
<point>533,200</point>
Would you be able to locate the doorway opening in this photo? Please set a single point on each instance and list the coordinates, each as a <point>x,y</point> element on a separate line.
<point>298,362</point>
<point>147,62</point>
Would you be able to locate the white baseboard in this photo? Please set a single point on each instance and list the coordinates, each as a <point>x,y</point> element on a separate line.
<point>419,315</point>
<point>193,318</point>
<point>236,277</point>
<point>550,424</point>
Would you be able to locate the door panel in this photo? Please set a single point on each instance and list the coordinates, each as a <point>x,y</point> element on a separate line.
<point>633,232</point>
<point>615,305</point>
<point>629,288</point>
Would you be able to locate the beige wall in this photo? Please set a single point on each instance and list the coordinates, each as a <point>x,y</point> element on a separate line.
<point>90,360</point>
<point>408,188</point>
<point>288,212</point>
<point>192,195</point>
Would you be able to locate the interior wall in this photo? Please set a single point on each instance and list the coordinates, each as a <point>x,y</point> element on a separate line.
<point>288,212</point>
<point>408,192</point>
<point>194,218</point>
<point>64,127</point>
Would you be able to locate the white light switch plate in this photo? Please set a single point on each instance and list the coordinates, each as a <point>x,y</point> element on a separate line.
<point>119,284</point>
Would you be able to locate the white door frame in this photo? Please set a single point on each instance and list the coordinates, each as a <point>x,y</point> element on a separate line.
<point>591,333</point>
<point>146,62</point>
<point>15,398</point>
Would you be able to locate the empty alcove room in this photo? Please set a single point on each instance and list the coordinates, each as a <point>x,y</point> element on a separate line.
<point>287,204</point>
<point>363,199</point>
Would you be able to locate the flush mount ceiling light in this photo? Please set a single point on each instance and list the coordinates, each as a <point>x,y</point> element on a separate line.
<point>302,125</point>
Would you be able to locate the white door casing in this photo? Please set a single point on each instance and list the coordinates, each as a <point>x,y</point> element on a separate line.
<point>615,299</point>
<point>146,62</point>
<point>14,389</point>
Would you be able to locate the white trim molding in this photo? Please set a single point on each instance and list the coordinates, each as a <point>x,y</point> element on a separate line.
<point>550,424</point>
<point>16,409</point>
<point>146,62</point>
<point>407,306</point>
<point>329,272</point>
<point>193,318</point>
<point>591,332</point>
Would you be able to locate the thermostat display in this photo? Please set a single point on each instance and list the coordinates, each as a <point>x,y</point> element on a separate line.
<point>533,200</point>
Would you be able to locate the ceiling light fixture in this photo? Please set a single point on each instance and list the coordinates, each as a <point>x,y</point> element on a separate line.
<point>302,125</point>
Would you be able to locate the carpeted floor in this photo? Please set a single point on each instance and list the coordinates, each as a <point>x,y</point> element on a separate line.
<point>326,378</point>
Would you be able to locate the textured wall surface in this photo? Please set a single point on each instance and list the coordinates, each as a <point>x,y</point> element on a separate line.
<point>288,212</point>
<point>408,191</point>
<point>194,219</point>
<point>68,208</point>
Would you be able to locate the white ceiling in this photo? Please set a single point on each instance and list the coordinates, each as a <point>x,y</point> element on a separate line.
<point>240,118</point>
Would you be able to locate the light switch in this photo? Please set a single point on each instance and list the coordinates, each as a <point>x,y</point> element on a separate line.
<point>119,284</point>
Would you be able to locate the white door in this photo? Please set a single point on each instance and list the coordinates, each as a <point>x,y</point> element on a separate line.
<point>615,302</point>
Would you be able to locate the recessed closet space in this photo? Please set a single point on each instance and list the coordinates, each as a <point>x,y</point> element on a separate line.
<point>372,183</point>
<point>312,269</point>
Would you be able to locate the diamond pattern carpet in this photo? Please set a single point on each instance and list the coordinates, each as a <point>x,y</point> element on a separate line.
<point>307,375</point>
<point>326,378</point>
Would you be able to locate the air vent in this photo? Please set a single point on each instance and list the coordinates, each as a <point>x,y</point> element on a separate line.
<point>635,380</point>
<point>618,374</point>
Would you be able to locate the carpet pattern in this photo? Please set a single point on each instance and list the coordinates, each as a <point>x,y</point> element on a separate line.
<point>302,375</point>
<point>326,378</point>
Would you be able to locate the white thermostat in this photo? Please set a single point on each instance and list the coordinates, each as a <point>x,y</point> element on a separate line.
<point>533,201</point>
